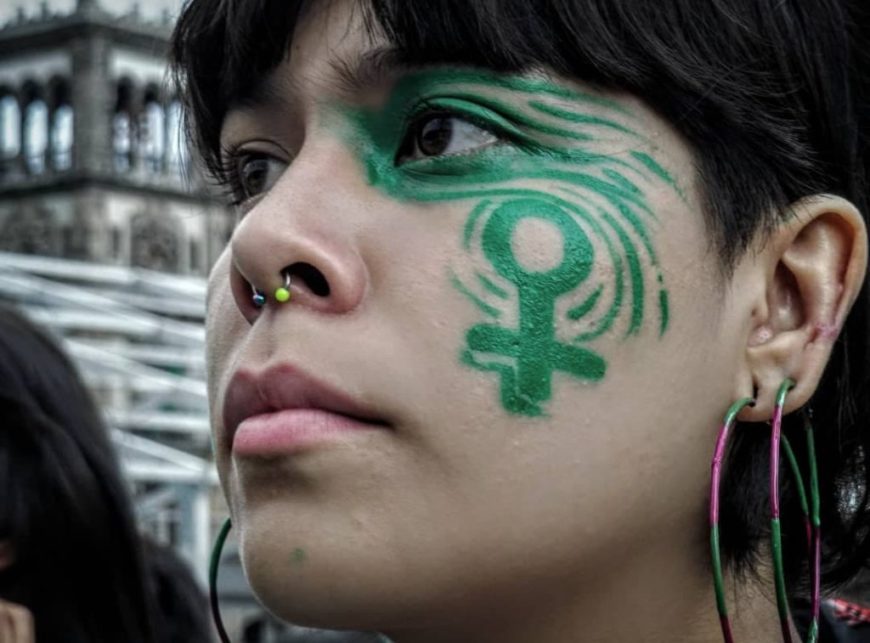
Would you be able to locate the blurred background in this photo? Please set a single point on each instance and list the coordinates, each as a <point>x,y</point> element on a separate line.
<point>107,232</point>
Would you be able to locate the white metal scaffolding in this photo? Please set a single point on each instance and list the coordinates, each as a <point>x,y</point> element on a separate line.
<point>138,339</point>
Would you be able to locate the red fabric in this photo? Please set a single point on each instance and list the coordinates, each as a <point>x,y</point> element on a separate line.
<point>852,613</point>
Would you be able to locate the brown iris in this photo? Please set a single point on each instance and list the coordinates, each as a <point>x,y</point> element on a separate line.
<point>434,134</point>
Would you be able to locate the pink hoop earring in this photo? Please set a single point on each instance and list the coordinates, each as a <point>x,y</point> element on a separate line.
<point>811,515</point>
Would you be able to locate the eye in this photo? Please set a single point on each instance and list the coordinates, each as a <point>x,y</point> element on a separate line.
<point>436,135</point>
<point>253,174</point>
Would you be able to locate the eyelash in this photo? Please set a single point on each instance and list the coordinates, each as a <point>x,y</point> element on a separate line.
<point>427,110</point>
<point>232,159</point>
<point>227,174</point>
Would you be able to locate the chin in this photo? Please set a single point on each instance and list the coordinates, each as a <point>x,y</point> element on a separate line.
<point>332,582</point>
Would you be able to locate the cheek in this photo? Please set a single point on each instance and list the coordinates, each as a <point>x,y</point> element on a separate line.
<point>585,337</point>
<point>225,331</point>
<point>554,278</point>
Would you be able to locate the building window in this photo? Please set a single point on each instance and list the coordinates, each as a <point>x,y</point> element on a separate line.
<point>121,147</point>
<point>10,127</point>
<point>62,138</point>
<point>153,135</point>
<point>35,136</point>
<point>123,128</point>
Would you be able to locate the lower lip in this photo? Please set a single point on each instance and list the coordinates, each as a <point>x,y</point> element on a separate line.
<point>292,430</point>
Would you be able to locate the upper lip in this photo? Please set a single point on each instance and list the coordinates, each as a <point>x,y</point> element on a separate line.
<point>281,387</point>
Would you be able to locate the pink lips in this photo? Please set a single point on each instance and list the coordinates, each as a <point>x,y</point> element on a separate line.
<point>282,410</point>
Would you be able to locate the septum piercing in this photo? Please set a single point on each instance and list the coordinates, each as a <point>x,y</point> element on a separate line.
<point>258,298</point>
<point>282,294</point>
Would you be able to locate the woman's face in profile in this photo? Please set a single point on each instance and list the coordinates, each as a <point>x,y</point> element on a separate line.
<point>506,350</point>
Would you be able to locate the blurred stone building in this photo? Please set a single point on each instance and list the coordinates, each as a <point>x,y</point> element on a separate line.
<point>106,234</point>
<point>92,160</point>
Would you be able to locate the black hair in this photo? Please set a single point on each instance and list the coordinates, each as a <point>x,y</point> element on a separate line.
<point>182,608</point>
<point>77,562</point>
<point>773,99</point>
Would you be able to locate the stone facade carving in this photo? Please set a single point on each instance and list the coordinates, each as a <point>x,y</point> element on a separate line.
<point>88,116</point>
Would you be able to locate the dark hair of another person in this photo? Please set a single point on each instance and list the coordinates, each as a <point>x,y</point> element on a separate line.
<point>773,100</point>
<point>182,607</point>
<point>63,505</point>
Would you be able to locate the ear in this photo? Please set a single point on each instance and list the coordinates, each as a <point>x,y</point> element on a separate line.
<point>804,281</point>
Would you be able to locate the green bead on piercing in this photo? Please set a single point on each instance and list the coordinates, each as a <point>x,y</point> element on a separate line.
<point>282,294</point>
<point>258,298</point>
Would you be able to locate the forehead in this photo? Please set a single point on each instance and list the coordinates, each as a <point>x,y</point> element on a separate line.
<point>339,52</point>
<point>333,55</point>
<point>333,48</point>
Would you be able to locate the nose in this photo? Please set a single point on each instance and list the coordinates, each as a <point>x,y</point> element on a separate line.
<point>302,229</point>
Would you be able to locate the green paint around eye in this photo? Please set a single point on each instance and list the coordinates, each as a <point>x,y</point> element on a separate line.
<point>579,118</point>
<point>497,112</point>
<point>476,111</point>
<point>547,169</point>
<point>299,556</point>
<point>658,170</point>
<point>537,86</point>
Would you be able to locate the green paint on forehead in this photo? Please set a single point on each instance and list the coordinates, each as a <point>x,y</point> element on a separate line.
<point>552,166</point>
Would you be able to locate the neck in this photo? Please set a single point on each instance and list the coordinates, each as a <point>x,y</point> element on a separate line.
<point>653,596</point>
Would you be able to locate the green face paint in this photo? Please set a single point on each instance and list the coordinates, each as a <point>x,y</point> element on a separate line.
<point>545,170</point>
<point>298,556</point>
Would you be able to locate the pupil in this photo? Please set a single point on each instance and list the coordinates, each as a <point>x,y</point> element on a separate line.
<point>253,176</point>
<point>434,136</point>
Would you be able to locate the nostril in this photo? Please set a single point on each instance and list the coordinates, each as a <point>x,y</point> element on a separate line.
<point>311,277</point>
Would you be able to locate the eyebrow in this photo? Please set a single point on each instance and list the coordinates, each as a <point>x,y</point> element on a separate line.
<point>349,78</point>
<point>370,69</point>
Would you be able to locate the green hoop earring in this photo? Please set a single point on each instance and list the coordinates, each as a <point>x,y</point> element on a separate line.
<point>810,510</point>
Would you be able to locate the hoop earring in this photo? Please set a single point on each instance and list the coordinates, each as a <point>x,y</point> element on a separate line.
<point>811,515</point>
<point>212,580</point>
<point>811,511</point>
<point>715,479</point>
<point>775,528</point>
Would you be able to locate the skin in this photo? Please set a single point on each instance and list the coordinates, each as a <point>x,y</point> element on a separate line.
<point>598,203</point>
<point>480,515</point>
<point>16,623</point>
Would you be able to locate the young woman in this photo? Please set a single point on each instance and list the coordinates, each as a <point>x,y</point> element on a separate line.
<point>499,271</point>
<point>73,557</point>
<point>73,568</point>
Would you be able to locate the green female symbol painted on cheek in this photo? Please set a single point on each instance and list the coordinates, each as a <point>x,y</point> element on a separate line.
<point>533,346</point>
<point>553,156</point>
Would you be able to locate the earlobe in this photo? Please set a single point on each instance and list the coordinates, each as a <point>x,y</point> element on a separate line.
<point>812,267</point>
